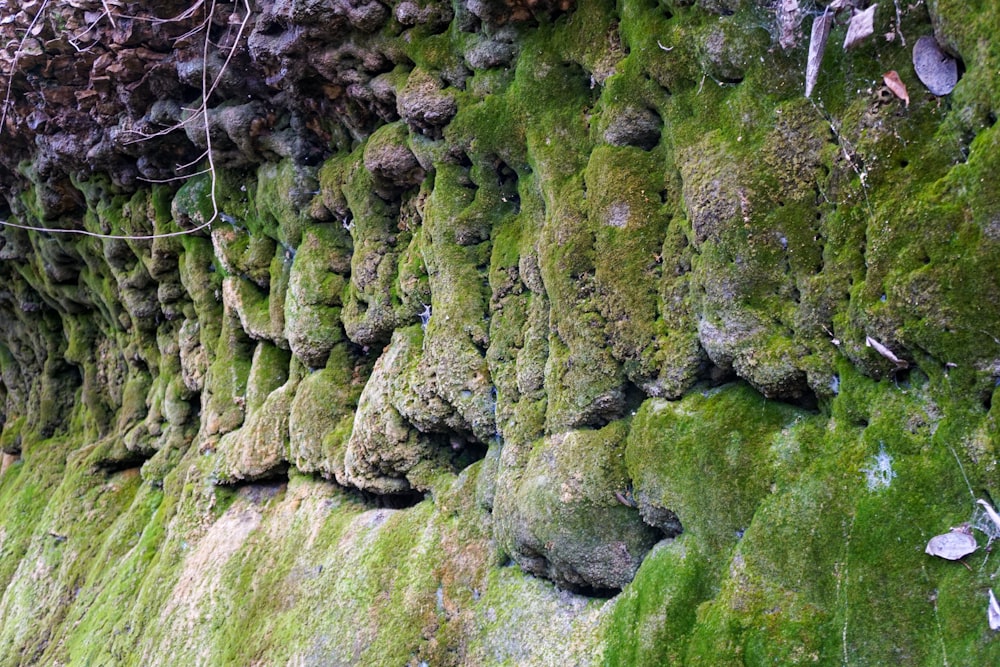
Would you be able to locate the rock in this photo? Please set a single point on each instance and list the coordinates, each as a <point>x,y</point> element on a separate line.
<point>385,454</point>
<point>424,104</point>
<point>569,526</point>
<point>490,53</point>
<point>432,15</point>
<point>322,415</point>
<point>258,448</point>
<point>634,127</point>
<point>391,161</point>
<point>936,69</point>
<point>193,356</point>
<point>312,307</point>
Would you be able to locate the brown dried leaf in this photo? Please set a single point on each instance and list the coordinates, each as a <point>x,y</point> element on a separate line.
<point>860,27</point>
<point>817,44</point>
<point>789,15</point>
<point>896,85</point>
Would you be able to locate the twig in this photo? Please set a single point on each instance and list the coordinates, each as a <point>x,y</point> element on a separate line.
<point>172,179</point>
<point>899,22</point>
<point>98,235</point>
<point>205,94</point>
<point>111,18</point>
<point>202,112</point>
<point>186,14</point>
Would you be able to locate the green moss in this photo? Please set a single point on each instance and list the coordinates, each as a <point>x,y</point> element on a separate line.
<point>280,202</point>
<point>10,437</point>
<point>655,614</point>
<point>712,473</point>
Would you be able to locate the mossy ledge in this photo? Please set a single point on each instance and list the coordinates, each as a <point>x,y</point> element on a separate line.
<point>497,332</point>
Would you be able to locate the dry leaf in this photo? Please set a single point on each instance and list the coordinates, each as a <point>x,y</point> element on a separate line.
<point>817,43</point>
<point>935,68</point>
<point>886,352</point>
<point>860,27</point>
<point>789,14</point>
<point>896,85</point>
<point>952,546</point>
<point>993,612</point>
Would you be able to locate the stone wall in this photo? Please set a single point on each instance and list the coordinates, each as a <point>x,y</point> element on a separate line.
<point>494,332</point>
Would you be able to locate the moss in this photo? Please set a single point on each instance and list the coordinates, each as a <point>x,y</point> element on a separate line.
<point>315,287</point>
<point>371,303</point>
<point>322,414</point>
<point>10,437</point>
<point>458,219</point>
<point>527,621</point>
<point>280,199</point>
<point>652,620</point>
<point>564,521</point>
<point>193,201</point>
<point>712,473</point>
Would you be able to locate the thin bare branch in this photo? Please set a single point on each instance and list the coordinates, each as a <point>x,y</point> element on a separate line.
<point>111,17</point>
<point>126,237</point>
<point>172,179</point>
<point>183,16</point>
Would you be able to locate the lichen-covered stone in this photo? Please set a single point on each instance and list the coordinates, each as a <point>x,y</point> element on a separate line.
<point>569,525</point>
<point>385,453</point>
<point>423,105</point>
<point>391,161</point>
<point>315,288</point>
<point>321,416</point>
<point>259,448</point>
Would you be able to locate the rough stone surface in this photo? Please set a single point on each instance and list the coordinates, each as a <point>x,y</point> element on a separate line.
<point>526,332</point>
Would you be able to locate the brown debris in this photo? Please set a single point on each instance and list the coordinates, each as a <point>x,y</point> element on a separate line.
<point>896,85</point>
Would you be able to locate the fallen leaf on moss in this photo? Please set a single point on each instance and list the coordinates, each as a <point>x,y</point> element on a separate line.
<point>861,27</point>
<point>952,546</point>
<point>817,44</point>
<point>896,85</point>
<point>993,612</point>
<point>886,352</point>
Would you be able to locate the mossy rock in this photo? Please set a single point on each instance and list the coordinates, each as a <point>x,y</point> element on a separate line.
<point>569,526</point>
<point>315,287</point>
<point>713,473</point>
<point>386,454</point>
<point>322,415</point>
